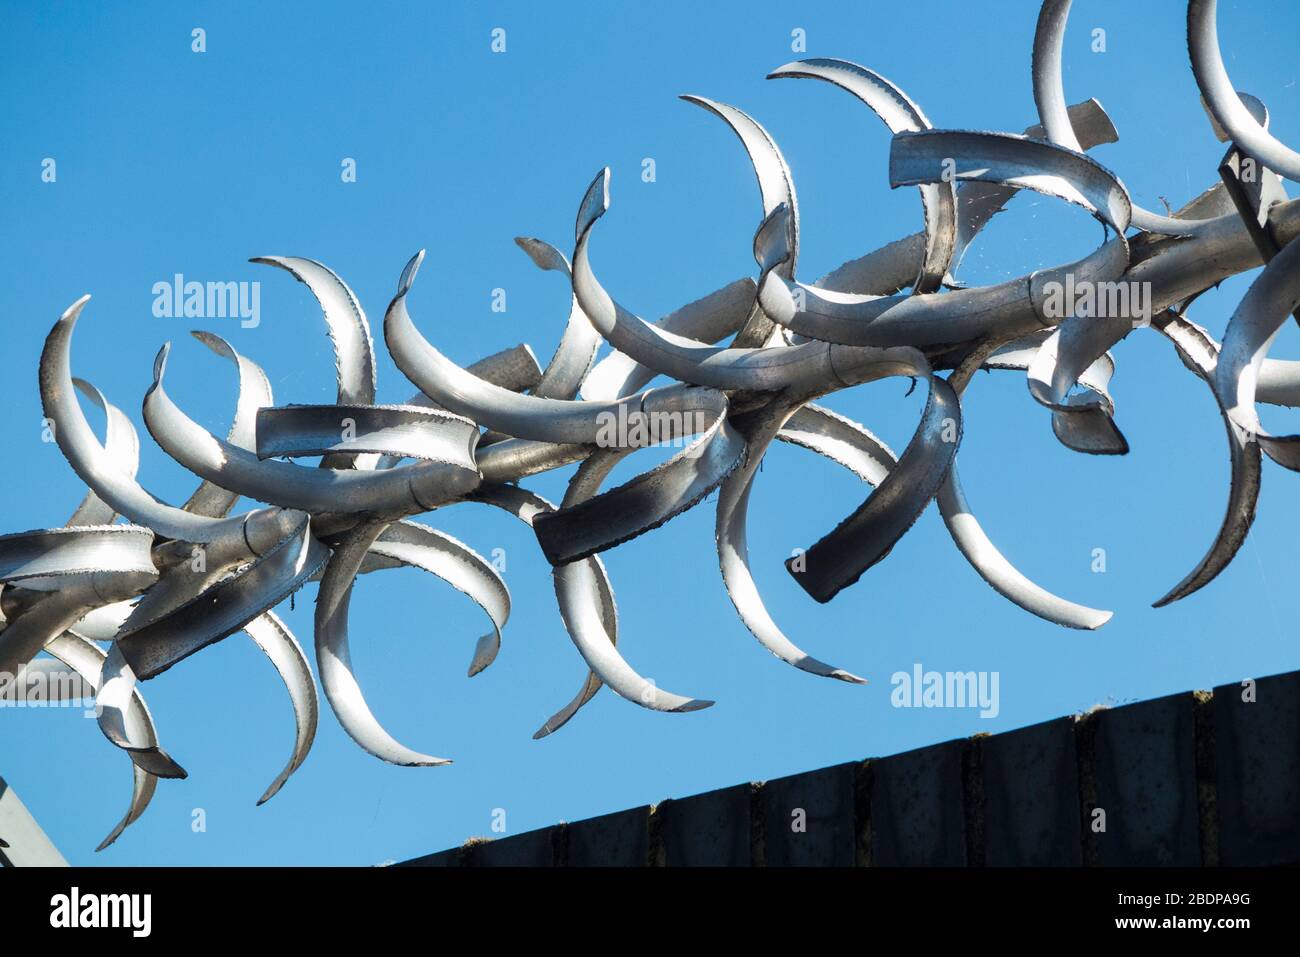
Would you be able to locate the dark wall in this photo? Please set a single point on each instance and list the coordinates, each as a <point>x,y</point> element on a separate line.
<point>1194,778</point>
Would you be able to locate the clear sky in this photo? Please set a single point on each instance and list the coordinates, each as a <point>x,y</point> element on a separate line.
<point>171,161</point>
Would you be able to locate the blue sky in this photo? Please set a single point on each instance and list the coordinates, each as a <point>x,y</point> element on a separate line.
<point>172,161</point>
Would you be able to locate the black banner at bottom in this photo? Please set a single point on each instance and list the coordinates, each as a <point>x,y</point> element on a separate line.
<point>308,905</point>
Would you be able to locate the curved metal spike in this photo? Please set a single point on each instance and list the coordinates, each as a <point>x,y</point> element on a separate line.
<point>87,659</point>
<point>527,506</point>
<point>900,114</point>
<point>334,659</point>
<point>121,446</point>
<point>254,392</point>
<point>1223,102</point>
<point>278,644</point>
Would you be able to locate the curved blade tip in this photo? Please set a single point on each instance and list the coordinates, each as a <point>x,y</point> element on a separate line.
<point>795,68</point>
<point>485,652</point>
<point>409,271</point>
<point>161,764</point>
<point>703,101</point>
<point>595,203</point>
<point>695,704</point>
<point>847,676</point>
<point>160,363</point>
<point>273,790</point>
<point>543,254</point>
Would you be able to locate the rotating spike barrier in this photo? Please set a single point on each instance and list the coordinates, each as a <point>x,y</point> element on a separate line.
<point>114,603</point>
